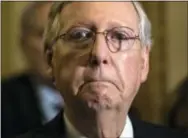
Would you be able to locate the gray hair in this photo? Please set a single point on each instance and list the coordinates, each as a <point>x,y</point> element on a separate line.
<point>53,27</point>
<point>144,25</point>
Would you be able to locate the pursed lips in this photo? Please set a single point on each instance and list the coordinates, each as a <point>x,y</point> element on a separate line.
<point>99,82</point>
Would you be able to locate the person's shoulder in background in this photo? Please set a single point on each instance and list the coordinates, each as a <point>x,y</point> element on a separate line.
<point>144,129</point>
<point>12,82</point>
<point>53,129</point>
<point>19,105</point>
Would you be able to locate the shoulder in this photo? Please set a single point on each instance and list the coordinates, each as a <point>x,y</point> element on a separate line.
<point>38,133</point>
<point>16,87</point>
<point>19,105</point>
<point>54,129</point>
<point>15,80</point>
<point>147,130</point>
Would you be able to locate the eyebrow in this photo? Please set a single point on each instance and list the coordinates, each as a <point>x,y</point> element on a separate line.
<point>93,25</point>
<point>113,24</point>
<point>89,24</point>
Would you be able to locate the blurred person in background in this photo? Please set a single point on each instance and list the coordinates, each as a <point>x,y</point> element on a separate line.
<point>30,100</point>
<point>178,115</point>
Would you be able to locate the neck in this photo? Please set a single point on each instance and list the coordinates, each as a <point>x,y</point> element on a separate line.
<point>103,123</point>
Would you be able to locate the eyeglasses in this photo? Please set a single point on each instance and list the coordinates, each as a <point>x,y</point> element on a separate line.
<point>117,39</point>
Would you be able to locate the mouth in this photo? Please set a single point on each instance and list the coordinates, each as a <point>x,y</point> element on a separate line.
<point>98,84</point>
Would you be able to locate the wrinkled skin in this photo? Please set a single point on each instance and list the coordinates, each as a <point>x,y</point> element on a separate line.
<point>99,86</point>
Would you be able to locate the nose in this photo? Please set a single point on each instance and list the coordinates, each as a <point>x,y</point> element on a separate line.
<point>99,53</point>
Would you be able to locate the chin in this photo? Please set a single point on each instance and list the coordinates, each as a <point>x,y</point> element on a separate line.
<point>100,98</point>
<point>98,106</point>
<point>103,104</point>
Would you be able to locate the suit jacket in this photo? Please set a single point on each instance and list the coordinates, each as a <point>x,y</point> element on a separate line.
<point>56,129</point>
<point>20,110</point>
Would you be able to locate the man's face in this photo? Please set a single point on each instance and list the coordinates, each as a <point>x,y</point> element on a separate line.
<point>33,46</point>
<point>93,76</point>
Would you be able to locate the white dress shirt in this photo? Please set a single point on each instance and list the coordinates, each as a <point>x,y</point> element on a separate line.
<point>50,102</point>
<point>73,133</point>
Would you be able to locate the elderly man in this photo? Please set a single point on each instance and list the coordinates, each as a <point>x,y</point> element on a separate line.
<point>29,99</point>
<point>98,55</point>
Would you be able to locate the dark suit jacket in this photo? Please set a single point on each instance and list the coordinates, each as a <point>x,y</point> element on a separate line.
<point>56,129</point>
<point>20,111</point>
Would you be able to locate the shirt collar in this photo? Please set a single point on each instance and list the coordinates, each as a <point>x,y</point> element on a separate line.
<point>73,133</point>
<point>50,102</point>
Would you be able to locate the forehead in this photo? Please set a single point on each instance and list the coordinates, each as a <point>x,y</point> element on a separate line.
<point>101,14</point>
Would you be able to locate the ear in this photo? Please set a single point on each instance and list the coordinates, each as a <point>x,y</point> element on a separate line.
<point>48,57</point>
<point>145,63</point>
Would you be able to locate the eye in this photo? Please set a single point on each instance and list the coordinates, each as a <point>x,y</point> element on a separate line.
<point>79,35</point>
<point>118,36</point>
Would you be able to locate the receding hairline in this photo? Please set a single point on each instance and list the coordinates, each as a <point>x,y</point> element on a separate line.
<point>61,5</point>
<point>129,4</point>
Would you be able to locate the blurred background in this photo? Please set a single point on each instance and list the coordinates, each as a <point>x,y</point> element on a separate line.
<point>169,61</point>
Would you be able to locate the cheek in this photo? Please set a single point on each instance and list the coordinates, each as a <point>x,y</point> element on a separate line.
<point>69,70</point>
<point>78,78</point>
<point>63,72</point>
<point>130,73</point>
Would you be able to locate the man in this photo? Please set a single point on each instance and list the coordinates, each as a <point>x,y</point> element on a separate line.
<point>29,99</point>
<point>98,55</point>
